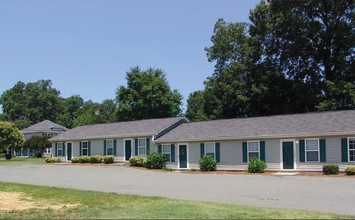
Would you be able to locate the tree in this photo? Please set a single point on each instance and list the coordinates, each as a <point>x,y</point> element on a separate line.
<point>71,108</point>
<point>38,144</point>
<point>30,103</point>
<point>10,136</point>
<point>147,95</point>
<point>195,107</point>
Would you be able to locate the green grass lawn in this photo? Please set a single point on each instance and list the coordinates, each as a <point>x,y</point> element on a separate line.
<point>111,205</point>
<point>20,160</point>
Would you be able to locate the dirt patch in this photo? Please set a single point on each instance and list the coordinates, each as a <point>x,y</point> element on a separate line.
<point>16,201</point>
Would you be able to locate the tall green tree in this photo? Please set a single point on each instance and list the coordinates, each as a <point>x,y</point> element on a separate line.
<point>30,103</point>
<point>71,108</point>
<point>10,136</point>
<point>38,144</point>
<point>196,104</point>
<point>147,95</point>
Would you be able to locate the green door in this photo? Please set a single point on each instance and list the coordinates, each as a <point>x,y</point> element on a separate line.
<point>182,156</point>
<point>68,151</point>
<point>128,149</point>
<point>287,155</point>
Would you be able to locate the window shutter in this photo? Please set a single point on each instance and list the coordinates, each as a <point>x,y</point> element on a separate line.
<point>105,151</point>
<point>148,145</point>
<point>302,151</point>
<point>114,147</point>
<point>136,147</point>
<point>56,150</point>
<point>202,149</point>
<point>63,147</point>
<point>262,150</point>
<point>322,148</point>
<point>89,148</point>
<point>80,148</point>
<point>159,148</point>
<point>172,152</point>
<point>245,152</point>
<point>344,150</point>
<point>218,158</point>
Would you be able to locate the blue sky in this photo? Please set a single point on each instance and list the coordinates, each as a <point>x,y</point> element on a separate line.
<point>86,46</point>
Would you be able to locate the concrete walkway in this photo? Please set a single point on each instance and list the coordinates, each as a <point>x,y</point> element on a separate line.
<point>325,194</point>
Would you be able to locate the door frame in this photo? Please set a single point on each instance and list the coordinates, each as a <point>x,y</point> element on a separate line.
<point>294,153</point>
<point>124,147</point>
<point>66,150</point>
<point>187,156</point>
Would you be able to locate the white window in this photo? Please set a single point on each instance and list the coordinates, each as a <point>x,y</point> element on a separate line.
<point>109,147</point>
<point>47,150</point>
<point>312,150</point>
<point>166,151</point>
<point>351,145</point>
<point>253,149</point>
<point>59,149</point>
<point>142,147</point>
<point>84,148</point>
<point>210,149</point>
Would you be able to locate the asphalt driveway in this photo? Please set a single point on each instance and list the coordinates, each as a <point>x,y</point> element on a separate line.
<point>325,194</point>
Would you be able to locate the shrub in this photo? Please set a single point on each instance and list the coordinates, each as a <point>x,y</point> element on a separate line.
<point>350,170</point>
<point>49,160</point>
<point>57,160</point>
<point>84,159</point>
<point>108,159</point>
<point>256,165</point>
<point>155,160</point>
<point>136,161</point>
<point>75,160</point>
<point>207,163</point>
<point>95,159</point>
<point>329,169</point>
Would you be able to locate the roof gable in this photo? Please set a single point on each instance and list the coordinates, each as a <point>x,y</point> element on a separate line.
<point>45,126</point>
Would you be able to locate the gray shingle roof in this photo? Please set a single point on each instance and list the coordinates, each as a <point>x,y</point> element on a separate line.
<point>298,125</point>
<point>119,129</point>
<point>45,126</point>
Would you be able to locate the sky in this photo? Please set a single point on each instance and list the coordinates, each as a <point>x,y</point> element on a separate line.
<point>86,46</point>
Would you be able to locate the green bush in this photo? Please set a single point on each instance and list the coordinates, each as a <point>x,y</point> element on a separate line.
<point>57,160</point>
<point>350,170</point>
<point>207,163</point>
<point>330,169</point>
<point>95,159</point>
<point>84,159</point>
<point>49,160</point>
<point>256,165</point>
<point>155,160</point>
<point>75,160</point>
<point>136,161</point>
<point>108,159</point>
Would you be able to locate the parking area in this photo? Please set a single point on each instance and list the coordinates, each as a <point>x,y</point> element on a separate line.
<point>325,194</point>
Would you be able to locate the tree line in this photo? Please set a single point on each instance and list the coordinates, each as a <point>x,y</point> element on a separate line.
<point>292,57</point>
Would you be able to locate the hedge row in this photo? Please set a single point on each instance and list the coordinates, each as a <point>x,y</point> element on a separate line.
<point>93,159</point>
<point>154,160</point>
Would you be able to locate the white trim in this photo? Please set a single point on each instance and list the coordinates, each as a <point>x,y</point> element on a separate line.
<point>258,141</point>
<point>82,148</point>
<point>113,147</point>
<point>124,147</point>
<point>294,153</point>
<point>66,150</point>
<point>61,145</point>
<point>305,148</point>
<point>145,146</point>
<point>162,151</point>
<point>349,149</point>
<point>187,155</point>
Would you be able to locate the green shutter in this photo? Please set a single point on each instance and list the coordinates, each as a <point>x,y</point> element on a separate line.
<point>262,150</point>
<point>344,150</point>
<point>114,147</point>
<point>245,152</point>
<point>323,155</point>
<point>136,147</point>
<point>56,150</point>
<point>302,151</point>
<point>202,149</point>
<point>63,146</point>
<point>80,148</point>
<point>159,148</point>
<point>148,145</point>
<point>172,152</point>
<point>105,151</point>
<point>89,148</point>
<point>218,158</point>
